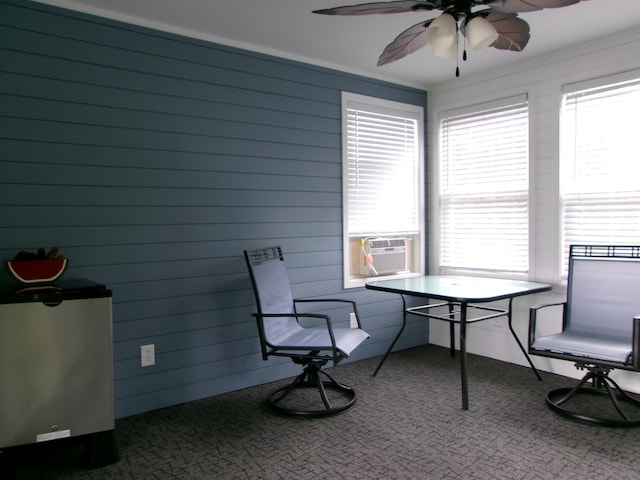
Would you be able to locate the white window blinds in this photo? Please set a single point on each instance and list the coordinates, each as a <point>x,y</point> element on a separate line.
<point>484,187</point>
<point>383,147</point>
<point>600,162</point>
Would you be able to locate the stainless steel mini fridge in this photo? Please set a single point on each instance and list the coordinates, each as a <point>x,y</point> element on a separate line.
<point>56,365</point>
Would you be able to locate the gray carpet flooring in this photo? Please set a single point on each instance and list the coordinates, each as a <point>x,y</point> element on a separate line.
<point>408,424</point>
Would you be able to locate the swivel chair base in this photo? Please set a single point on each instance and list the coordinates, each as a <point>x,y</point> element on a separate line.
<point>310,378</point>
<point>602,386</point>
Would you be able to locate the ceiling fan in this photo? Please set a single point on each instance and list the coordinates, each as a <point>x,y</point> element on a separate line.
<point>496,26</point>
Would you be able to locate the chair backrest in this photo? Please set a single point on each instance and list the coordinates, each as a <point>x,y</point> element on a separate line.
<point>603,290</point>
<point>272,292</point>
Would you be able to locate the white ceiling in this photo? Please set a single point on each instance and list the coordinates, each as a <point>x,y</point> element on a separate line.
<point>287,28</point>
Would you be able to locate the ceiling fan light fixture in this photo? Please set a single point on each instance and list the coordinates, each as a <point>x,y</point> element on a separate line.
<point>480,33</point>
<point>442,32</point>
<point>449,52</point>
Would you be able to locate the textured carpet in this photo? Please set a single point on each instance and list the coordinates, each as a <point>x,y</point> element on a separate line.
<point>408,424</point>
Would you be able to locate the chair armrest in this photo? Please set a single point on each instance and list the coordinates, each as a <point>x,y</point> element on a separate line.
<point>533,317</point>
<point>354,307</point>
<point>545,305</point>
<point>296,315</point>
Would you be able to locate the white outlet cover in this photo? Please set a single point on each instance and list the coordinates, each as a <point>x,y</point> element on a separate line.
<point>147,355</point>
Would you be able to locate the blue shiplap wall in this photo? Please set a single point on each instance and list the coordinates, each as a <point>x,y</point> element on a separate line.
<point>153,161</point>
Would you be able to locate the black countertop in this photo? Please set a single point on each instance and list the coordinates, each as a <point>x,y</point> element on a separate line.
<point>68,289</point>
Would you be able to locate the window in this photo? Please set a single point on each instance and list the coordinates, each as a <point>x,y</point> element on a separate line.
<point>484,188</point>
<point>383,188</point>
<point>600,163</point>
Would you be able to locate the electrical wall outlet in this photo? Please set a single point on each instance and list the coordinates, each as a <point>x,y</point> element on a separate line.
<point>353,322</point>
<point>147,355</point>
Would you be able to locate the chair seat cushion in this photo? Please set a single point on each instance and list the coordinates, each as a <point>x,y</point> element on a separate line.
<point>597,347</point>
<point>347,339</point>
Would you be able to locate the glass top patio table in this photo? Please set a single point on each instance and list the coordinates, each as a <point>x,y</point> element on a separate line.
<point>462,291</point>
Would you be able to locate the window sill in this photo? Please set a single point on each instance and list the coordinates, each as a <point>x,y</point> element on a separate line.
<point>359,281</point>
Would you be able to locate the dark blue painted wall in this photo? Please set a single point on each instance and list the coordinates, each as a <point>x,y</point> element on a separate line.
<point>153,161</point>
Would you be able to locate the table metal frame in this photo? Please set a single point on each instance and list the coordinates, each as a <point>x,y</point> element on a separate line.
<point>458,313</point>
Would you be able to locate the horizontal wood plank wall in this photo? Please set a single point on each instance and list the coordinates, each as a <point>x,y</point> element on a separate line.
<point>152,161</point>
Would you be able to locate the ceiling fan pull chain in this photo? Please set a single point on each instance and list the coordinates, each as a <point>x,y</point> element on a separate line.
<point>464,49</point>
<point>457,51</point>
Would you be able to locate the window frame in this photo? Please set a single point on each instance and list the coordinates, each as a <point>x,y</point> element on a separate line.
<point>417,246</point>
<point>567,155</point>
<point>468,110</point>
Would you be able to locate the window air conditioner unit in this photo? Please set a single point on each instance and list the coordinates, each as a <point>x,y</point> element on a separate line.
<point>383,256</point>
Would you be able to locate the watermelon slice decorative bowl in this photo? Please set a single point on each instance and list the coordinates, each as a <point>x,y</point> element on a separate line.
<point>37,271</point>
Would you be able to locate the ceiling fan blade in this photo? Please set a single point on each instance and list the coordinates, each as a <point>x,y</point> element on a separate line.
<point>515,6</point>
<point>412,39</point>
<point>553,3</point>
<point>513,32</point>
<point>382,7</point>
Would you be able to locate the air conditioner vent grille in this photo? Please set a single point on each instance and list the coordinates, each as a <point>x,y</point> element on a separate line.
<point>387,242</point>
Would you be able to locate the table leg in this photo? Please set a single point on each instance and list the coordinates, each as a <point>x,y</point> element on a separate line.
<point>526,355</point>
<point>404,324</point>
<point>463,355</point>
<point>452,334</point>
